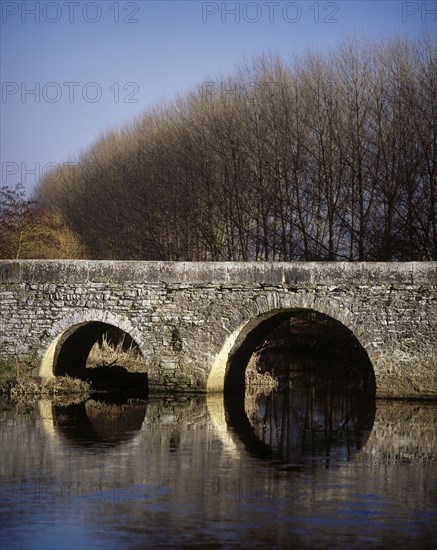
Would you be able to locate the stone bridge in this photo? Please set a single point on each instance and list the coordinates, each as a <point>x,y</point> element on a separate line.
<point>196,324</point>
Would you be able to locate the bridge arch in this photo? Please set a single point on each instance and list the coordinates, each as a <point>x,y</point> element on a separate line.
<point>67,343</point>
<point>228,370</point>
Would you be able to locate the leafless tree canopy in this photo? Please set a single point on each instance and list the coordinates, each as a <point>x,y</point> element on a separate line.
<point>330,157</point>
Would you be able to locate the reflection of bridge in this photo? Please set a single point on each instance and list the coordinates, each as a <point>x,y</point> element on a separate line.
<point>395,431</point>
<point>105,424</point>
<point>190,319</point>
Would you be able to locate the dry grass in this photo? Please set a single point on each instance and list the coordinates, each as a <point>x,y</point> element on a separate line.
<point>256,381</point>
<point>106,354</point>
<point>257,384</point>
<point>60,389</point>
<point>106,409</point>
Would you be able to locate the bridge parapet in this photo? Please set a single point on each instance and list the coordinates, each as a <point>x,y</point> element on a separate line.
<point>218,273</point>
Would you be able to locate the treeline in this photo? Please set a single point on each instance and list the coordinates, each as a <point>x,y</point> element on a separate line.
<point>330,157</point>
<point>29,231</point>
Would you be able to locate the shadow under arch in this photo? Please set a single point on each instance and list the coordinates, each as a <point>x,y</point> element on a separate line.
<point>228,372</point>
<point>68,351</point>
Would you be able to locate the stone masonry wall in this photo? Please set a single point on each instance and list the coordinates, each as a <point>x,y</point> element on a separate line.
<point>182,314</point>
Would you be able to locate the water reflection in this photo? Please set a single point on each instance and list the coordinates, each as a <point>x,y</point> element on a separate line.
<point>187,478</point>
<point>305,424</point>
<point>318,416</point>
<point>99,422</point>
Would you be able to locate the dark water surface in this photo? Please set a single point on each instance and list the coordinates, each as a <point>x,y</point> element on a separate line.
<point>306,469</point>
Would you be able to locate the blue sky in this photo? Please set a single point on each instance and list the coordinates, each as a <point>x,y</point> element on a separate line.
<point>72,70</point>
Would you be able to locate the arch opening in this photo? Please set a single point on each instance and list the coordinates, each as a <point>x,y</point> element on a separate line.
<point>323,405</point>
<point>101,353</point>
<point>292,331</point>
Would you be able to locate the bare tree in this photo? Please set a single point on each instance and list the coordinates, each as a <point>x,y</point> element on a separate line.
<point>329,157</point>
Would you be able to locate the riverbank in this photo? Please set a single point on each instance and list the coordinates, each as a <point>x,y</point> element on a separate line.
<point>18,385</point>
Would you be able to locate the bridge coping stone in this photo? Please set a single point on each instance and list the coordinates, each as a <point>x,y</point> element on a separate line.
<point>220,273</point>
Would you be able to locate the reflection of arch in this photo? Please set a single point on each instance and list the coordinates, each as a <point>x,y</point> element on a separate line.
<point>228,371</point>
<point>69,341</point>
<point>234,427</point>
<point>92,423</point>
<point>216,410</point>
<point>339,425</point>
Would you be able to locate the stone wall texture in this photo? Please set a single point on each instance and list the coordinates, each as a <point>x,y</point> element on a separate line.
<point>189,318</point>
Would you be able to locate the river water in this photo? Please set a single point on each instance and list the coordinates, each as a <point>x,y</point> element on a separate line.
<point>292,470</point>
